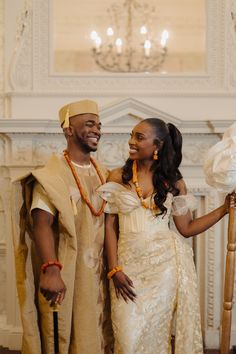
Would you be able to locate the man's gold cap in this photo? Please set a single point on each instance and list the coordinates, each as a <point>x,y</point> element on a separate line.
<point>76,108</point>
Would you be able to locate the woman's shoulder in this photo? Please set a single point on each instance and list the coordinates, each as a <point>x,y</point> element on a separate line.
<point>115,175</point>
<point>181,186</point>
<point>184,201</point>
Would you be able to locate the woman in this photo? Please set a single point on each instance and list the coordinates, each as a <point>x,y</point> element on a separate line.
<point>152,269</point>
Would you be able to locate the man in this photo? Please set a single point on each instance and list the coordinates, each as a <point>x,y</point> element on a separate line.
<point>63,265</point>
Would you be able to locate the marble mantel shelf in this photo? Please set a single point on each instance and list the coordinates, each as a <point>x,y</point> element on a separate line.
<point>52,126</point>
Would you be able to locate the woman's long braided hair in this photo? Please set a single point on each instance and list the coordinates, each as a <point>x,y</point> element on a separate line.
<point>166,169</point>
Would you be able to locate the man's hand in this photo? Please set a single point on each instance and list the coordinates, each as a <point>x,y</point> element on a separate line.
<point>52,286</point>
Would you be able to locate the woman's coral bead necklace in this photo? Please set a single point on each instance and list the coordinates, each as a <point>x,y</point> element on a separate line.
<point>139,190</point>
<point>82,193</point>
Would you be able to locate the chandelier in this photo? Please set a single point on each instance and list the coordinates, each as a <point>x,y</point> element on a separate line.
<point>130,44</point>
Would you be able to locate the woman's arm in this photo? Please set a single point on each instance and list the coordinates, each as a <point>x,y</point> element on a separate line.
<point>123,284</point>
<point>111,236</point>
<point>189,227</point>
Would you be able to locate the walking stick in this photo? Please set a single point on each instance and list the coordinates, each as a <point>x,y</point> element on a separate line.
<point>229,278</point>
<point>55,329</point>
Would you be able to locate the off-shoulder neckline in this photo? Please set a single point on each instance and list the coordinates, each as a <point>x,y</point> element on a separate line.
<point>130,190</point>
<point>135,194</point>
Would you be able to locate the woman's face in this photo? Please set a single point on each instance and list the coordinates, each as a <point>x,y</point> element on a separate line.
<point>141,142</point>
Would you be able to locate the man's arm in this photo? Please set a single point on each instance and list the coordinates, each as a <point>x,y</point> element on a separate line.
<point>51,284</point>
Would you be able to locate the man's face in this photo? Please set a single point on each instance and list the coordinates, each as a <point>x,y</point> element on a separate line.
<point>86,131</point>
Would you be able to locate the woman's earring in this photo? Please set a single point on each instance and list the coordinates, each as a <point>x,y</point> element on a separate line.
<point>155,155</point>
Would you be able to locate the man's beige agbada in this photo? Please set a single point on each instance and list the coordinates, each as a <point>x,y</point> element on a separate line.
<point>84,326</point>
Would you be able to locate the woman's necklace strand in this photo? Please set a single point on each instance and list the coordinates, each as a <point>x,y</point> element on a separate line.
<point>138,188</point>
<point>83,194</point>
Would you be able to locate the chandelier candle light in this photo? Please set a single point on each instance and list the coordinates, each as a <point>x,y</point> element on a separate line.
<point>129,44</point>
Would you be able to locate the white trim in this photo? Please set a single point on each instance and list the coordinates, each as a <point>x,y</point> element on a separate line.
<point>10,336</point>
<point>212,339</point>
<point>52,126</point>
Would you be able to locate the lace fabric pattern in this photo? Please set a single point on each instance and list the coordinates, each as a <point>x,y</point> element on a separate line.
<point>161,267</point>
<point>182,204</point>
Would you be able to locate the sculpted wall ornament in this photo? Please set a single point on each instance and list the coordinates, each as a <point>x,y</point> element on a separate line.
<point>2,151</point>
<point>231,41</point>
<point>2,223</point>
<point>110,84</point>
<point>32,70</point>
<point>2,282</point>
<point>113,150</point>
<point>20,69</point>
<point>5,218</point>
<point>211,266</point>
<point>1,58</point>
<point>209,203</point>
<point>21,150</point>
<point>42,148</point>
<point>195,148</point>
<point>35,149</point>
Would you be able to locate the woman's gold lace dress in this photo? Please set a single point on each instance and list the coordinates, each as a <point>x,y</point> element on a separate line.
<point>160,264</point>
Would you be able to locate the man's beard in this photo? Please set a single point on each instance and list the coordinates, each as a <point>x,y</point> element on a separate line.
<point>84,146</point>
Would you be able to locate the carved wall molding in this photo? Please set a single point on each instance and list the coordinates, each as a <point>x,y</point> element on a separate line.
<point>45,79</point>
<point>117,119</point>
<point>2,281</point>
<point>20,67</point>
<point>1,58</point>
<point>195,148</point>
<point>32,149</point>
<point>3,222</point>
<point>211,267</point>
<point>231,45</point>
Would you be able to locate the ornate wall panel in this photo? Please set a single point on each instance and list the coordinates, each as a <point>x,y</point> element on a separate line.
<point>33,69</point>
<point>108,83</point>
<point>20,66</point>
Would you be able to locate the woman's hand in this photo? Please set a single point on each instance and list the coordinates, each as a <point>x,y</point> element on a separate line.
<point>123,286</point>
<point>52,286</point>
<point>230,201</point>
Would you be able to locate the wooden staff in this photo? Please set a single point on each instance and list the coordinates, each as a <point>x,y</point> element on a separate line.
<point>229,278</point>
<point>55,329</point>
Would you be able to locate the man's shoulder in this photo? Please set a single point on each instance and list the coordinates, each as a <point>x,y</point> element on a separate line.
<point>52,166</point>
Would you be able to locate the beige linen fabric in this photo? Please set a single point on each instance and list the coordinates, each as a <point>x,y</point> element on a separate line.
<point>84,314</point>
